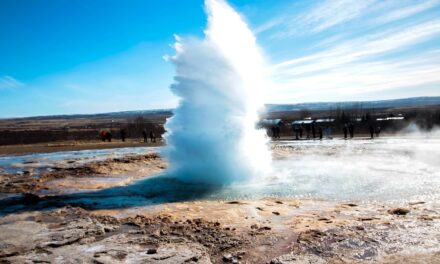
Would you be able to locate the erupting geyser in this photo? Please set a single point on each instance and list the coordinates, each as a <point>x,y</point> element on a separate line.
<point>212,137</point>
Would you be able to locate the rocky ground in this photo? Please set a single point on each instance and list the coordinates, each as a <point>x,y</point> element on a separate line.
<point>93,175</point>
<point>263,231</point>
<point>276,231</point>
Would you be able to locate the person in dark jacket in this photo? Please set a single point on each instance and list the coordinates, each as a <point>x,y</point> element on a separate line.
<point>371,131</point>
<point>351,130</point>
<point>345,131</point>
<point>144,135</point>
<point>152,137</point>
<point>277,132</point>
<point>122,135</point>
<point>109,136</point>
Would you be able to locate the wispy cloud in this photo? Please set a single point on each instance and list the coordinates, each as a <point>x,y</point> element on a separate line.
<point>319,17</point>
<point>406,11</point>
<point>361,48</point>
<point>8,82</point>
<point>333,12</point>
<point>366,62</point>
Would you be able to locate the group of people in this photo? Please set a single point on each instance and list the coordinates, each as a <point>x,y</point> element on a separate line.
<point>145,136</point>
<point>106,135</point>
<point>374,131</point>
<point>275,132</point>
<point>313,131</point>
<point>348,128</point>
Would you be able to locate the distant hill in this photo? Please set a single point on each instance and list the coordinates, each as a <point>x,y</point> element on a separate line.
<point>406,102</point>
<point>318,106</point>
<point>123,114</point>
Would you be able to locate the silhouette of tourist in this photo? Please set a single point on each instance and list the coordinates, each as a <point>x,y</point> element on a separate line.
<point>313,131</point>
<point>371,131</point>
<point>144,135</point>
<point>274,132</point>
<point>308,131</point>
<point>103,135</point>
<point>377,131</point>
<point>300,131</point>
<point>296,130</point>
<point>122,135</point>
<point>152,137</point>
<point>351,130</point>
<point>320,132</point>
<point>109,136</point>
<point>345,131</point>
<point>328,132</point>
<point>277,132</point>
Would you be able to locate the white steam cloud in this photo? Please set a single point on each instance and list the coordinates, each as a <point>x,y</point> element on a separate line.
<point>212,137</point>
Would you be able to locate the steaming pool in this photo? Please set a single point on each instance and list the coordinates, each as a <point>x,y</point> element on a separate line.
<point>389,168</point>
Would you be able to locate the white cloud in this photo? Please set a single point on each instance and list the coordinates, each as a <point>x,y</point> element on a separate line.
<point>320,17</point>
<point>8,82</point>
<point>372,64</point>
<point>333,12</point>
<point>406,11</point>
<point>361,48</point>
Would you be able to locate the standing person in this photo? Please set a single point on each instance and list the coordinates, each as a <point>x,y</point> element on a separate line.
<point>345,131</point>
<point>320,132</point>
<point>152,137</point>
<point>144,135</point>
<point>313,131</point>
<point>296,130</point>
<point>122,135</point>
<point>371,131</point>
<point>329,132</point>
<point>378,131</point>
<point>277,132</point>
<point>103,135</point>
<point>308,131</point>
<point>274,132</point>
<point>351,130</point>
<point>109,136</point>
<point>300,131</point>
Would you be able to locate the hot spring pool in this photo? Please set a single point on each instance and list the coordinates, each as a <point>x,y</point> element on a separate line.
<point>387,169</point>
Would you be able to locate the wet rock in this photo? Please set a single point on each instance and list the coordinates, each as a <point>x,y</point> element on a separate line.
<point>151,251</point>
<point>227,258</point>
<point>398,211</point>
<point>426,218</point>
<point>310,235</point>
<point>416,203</point>
<point>29,198</point>
<point>298,259</point>
<point>235,202</point>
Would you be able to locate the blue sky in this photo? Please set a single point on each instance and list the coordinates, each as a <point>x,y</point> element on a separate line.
<point>65,57</point>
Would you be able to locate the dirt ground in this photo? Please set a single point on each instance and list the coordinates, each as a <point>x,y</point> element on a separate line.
<point>72,146</point>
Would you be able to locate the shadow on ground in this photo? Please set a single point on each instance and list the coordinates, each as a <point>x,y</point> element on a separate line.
<point>153,190</point>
